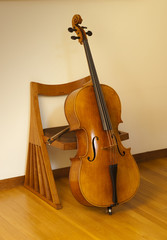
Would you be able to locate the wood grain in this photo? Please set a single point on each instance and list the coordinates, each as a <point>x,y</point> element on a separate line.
<point>95,158</point>
<point>68,140</point>
<point>64,172</point>
<point>25,216</point>
<point>39,177</point>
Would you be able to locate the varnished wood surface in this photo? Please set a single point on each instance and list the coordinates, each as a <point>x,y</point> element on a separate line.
<point>39,177</point>
<point>89,178</point>
<point>24,216</point>
<point>68,140</point>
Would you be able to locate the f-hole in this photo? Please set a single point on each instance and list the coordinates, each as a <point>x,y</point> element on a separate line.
<point>94,150</point>
<point>123,153</point>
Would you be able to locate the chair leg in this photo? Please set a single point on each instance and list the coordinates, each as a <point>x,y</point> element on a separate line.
<point>39,177</point>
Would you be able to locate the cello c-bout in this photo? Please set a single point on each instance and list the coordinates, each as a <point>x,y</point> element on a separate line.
<point>103,173</point>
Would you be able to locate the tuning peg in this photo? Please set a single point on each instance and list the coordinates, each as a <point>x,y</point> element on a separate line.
<point>89,33</point>
<point>74,37</point>
<point>71,29</point>
<point>83,27</point>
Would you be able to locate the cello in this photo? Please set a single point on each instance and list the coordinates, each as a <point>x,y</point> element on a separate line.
<point>103,173</point>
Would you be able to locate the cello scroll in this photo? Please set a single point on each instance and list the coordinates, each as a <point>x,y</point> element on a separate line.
<point>81,34</point>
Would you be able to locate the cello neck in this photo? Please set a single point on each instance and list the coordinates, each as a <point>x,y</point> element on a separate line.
<point>91,65</point>
<point>103,111</point>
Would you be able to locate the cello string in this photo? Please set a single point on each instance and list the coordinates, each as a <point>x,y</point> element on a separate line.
<point>114,147</point>
<point>111,145</point>
<point>98,91</point>
<point>96,84</point>
<point>94,77</point>
<point>100,99</point>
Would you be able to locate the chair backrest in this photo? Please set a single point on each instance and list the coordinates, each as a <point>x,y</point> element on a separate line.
<point>59,89</point>
<point>36,129</point>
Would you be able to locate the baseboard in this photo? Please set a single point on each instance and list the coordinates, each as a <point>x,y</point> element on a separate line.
<point>11,182</point>
<point>140,157</point>
<point>64,172</point>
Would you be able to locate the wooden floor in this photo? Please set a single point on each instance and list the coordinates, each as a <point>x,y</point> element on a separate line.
<point>25,216</point>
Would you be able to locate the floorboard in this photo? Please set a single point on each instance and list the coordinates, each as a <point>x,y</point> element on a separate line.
<point>26,217</point>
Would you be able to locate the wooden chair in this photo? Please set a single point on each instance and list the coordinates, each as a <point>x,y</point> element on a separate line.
<point>39,177</point>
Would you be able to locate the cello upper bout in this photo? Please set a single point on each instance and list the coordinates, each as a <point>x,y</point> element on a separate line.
<point>113,104</point>
<point>70,110</point>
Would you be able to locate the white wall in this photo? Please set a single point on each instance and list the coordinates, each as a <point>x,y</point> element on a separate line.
<point>129,48</point>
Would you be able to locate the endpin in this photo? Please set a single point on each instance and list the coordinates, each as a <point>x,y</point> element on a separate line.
<point>109,210</point>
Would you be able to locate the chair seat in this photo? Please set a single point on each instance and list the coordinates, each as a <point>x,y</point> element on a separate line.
<point>68,140</point>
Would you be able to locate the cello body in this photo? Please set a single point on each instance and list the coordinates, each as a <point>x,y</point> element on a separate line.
<point>90,176</point>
